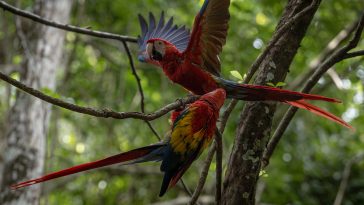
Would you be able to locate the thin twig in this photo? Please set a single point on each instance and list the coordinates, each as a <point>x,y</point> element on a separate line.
<point>354,54</point>
<point>217,144</point>
<point>66,27</point>
<point>140,88</point>
<point>330,48</point>
<point>277,35</point>
<point>104,113</point>
<point>185,187</point>
<point>218,148</point>
<point>219,153</point>
<point>345,177</point>
<point>336,57</point>
<point>203,175</point>
<point>226,114</point>
<point>22,38</point>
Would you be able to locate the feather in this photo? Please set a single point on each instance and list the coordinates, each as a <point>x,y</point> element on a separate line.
<point>304,105</point>
<point>265,93</point>
<point>148,153</point>
<point>209,34</point>
<point>166,31</point>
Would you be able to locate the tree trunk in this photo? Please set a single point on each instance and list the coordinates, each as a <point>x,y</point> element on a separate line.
<point>256,119</point>
<point>28,119</point>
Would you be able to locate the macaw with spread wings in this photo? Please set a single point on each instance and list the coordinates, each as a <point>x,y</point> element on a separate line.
<point>192,60</point>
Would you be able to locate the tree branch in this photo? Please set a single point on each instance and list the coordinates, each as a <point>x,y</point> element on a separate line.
<point>203,176</point>
<point>185,187</point>
<point>331,47</point>
<point>104,113</point>
<point>219,153</point>
<point>345,177</point>
<point>140,88</point>
<point>277,35</point>
<point>336,57</point>
<point>354,54</point>
<point>21,36</point>
<point>36,18</point>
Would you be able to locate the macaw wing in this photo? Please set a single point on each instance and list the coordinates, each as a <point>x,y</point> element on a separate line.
<point>178,36</point>
<point>209,35</point>
<point>185,145</point>
<point>191,156</point>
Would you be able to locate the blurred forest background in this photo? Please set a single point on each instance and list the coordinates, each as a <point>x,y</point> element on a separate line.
<point>308,165</point>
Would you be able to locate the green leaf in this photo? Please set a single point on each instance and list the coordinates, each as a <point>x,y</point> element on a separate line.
<point>16,76</point>
<point>281,84</point>
<point>271,84</point>
<point>236,74</point>
<point>263,173</point>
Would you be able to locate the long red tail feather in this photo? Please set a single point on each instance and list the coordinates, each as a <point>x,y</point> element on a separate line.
<point>277,94</point>
<point>249,92</point>
<point>135,154</point>
<point>307,106</point>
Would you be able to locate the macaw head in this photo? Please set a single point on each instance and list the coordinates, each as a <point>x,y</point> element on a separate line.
<point>157,48</point>
<point>215,98</point>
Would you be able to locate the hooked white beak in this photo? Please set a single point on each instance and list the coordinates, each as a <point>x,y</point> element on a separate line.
<point>149,50</point>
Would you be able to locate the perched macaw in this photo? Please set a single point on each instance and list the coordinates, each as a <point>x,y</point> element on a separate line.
<point>192,131</point>
<point>192,61</point>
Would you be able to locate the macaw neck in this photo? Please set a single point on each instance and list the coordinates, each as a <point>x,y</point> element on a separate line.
<point>182,71</point>
<point>171,56</point>
<point>171,63</point>
<point>207,116</point>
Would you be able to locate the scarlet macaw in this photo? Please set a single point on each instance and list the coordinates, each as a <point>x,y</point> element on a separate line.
<point>192,132</point>
<point>192,60</point>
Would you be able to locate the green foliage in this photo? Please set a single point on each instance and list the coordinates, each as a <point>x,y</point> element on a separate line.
<point>279,84</point>
<point>307,166</point>
<point>236,74</point>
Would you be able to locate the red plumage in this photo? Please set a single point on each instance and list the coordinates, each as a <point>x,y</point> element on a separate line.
<point>197,68</point>
<point>192,131</point>
<point>119,158</point>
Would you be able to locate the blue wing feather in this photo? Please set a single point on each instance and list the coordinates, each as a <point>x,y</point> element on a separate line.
<point>167,27</point>
<point>204,6</point>
<point>160,26</point>
<point>178,36</point>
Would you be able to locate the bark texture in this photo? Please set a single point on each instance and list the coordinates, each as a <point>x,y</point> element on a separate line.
<point>256,119</point>
<point>23,157</point>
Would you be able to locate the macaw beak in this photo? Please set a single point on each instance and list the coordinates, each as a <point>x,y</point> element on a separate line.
<point>143,57</point>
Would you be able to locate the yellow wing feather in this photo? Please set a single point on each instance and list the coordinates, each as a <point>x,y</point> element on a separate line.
<point>183,139</point>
